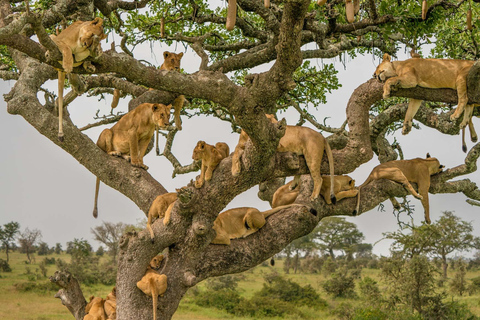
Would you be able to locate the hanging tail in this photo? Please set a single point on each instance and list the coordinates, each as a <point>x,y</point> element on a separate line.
<point>332,172</point>
<point>61,84</point>
<point>97,187</point>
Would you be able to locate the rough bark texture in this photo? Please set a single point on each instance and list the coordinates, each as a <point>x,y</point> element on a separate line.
<point>190,256</point>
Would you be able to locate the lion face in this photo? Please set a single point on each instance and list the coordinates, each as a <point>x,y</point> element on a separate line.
<point>90,35</point>
<point>161,114</point>
<point>156,262</point>
<point>199,150</point>
<point>172,61</point>
<point>385,69</point>
<point>434,165</point>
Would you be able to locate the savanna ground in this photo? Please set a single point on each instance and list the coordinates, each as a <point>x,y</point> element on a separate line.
<point>16,304</point>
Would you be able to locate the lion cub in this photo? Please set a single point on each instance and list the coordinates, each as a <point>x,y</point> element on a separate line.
<point>161,208</point>
<point>427,73</point>
<point>344,187</point>
<point>416,170</point>
<point>241,222</point>
<point>153,284</point>
<point>172,62</point>
<point>94,310</point>
<point>130,136</point>
<point>111,305</point>
<point>211,157</point>
<point>77,42</point>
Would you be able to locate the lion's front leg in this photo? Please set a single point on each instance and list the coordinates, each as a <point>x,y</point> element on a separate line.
<point>67,61</point>
<point>136,158</point>
<point>413,106</point>
<point>201,180</point>
<point>461,84</point>
<point>387,87</point>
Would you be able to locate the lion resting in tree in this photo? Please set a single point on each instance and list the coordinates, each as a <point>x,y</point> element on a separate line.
<point>161,208</point>
<point>416,170</point>
<point>344,187</point>
<point>77,42</point>
<point>95,309</point>
<point>211,157</point>
<point>241,222</point>
<point>110,305</point>
<point>153,284</point>
<point>427,73</point>
<point>302,141</point>
<point>130,136</point>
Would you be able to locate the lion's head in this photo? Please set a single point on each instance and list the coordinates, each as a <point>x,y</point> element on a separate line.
<point>172,61</point>
<point>90,35</point>
<point>199,150</point>
<point>161,114</point>
<point>385,69</point>
<point>156,262</point>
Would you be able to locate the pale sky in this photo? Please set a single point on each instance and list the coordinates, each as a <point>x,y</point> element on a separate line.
<point>45,188</point>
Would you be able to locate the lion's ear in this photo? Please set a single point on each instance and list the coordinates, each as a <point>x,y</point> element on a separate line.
<point>351,183</point>
<point>97,21</point>
<point>166,54</point>
<point>428,155</point>
<point>386,57</point>
<point>180,55</point>
<point>154,107</point>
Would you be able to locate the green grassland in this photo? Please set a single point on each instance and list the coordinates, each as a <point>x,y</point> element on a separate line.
<point>40,304</point>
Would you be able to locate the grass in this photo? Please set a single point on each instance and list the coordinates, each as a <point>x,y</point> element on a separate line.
<point>15,304</point>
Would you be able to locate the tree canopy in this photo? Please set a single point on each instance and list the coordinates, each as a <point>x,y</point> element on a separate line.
<point>262,66</point>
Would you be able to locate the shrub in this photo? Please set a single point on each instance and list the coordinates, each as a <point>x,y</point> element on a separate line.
<point>329,266</point>
<point>4,266</point>
<point>41,288</point>
<point>228,282</point>
<point>49,261</point>
<point>312,264</point>
<point>340,285</point>
<point>369,288</point>
<point>224,299</point>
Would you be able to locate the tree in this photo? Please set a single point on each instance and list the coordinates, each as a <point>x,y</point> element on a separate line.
<point>7,235</point>
<point>338,234</point>
<point>28,239</point>
<point>227,87</point>
<point>42,249</point>
<point>58,248</point>
<point>449,234</point>
<point>109,234</point>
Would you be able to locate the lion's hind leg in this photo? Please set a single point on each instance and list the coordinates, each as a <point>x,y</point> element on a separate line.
<point>413,106</point>
<point>397,175</point>
<point>346,194</point>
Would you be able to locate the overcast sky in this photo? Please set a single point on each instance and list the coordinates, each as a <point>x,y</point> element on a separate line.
<point>45,188</point>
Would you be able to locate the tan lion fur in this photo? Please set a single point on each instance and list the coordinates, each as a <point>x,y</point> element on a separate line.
<point>172,62</point>
<point>77,42</point>
<point>110,305</point>
<point>416,170</point>
<point>211,157</point>
<point>344,187</point>
<point>95,309</point>
<point>152,283</point>
<point>241,222</point>
<point>130,136</point>
<point>427,73</point>
<point>161,208</point>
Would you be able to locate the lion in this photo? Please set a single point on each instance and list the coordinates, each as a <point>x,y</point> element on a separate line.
<point>161,208</point>
<point>427,73</point>
<point>172,62</point>
<point>130,136</point>
<point>344,187</point>
<point>77,42</point>
<point>311,144</point>
<point>416,170</point>
<point>467,118</point>
<point>153,284</point>
<point>94,310</point>
<point>241,222</point>
<point>110,305</point>
<point>211,157</point>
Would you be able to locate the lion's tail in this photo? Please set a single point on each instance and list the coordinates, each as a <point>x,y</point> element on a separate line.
<point>328,150</point>
<point>97,188</point>
<point>154,290</point>
<point>275,210</point>
<point>357,208</point>
<point>61,84</point>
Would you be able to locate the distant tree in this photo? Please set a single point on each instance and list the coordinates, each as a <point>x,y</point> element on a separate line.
<point>58,248</point>
<point>458,285</point>
<point>28,240</point>
<point>42,249</point>
<point>79,249</point>
<point>100,251</point>
<point>337,234</point>
<point>439,239</point>
<point>7,235</point>
<point>109,234</point>
<point>304,245</point>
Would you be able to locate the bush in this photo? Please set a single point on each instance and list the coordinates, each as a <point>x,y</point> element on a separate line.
<point>4,266</point>
<point>228,282</point>
<point>224,299</point>
<point>49,261</point>
<point>312,264</point>
<point>278,287</point>
<point>41,288</point>
<point>264,307</point>
<point>340,285</point>
<point>369,289</point>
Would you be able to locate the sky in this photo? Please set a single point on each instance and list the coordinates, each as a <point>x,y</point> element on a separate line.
<point>43,187</point>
